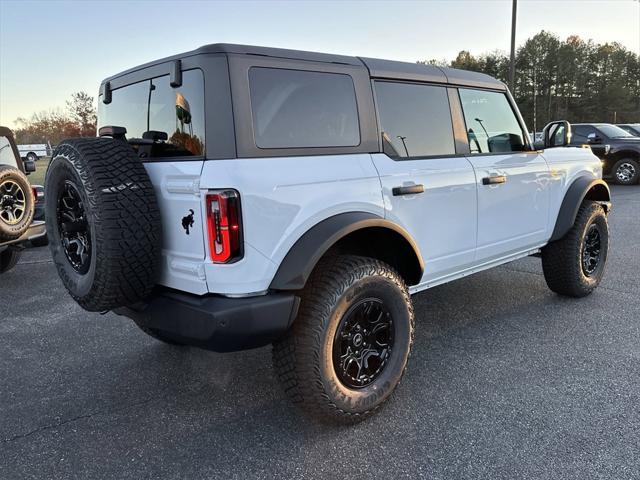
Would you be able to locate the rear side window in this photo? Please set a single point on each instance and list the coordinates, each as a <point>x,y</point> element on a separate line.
<point>415,119</point>
<point>581,133</point>
<point>302,109</point>
<point>7,155</point>
<point>161,121</point>
<point>492,126</point>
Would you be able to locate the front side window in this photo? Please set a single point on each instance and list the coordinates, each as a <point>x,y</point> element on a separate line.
<point>415,119</point>
<point>492,126</point>
<point>161,121</point>
<point>298,109</point>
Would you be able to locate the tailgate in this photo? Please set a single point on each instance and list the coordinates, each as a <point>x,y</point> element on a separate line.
<point>177,186</point>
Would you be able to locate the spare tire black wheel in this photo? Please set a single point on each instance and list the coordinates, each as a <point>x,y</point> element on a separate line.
<point>16,203</point>
<point>103,223</point>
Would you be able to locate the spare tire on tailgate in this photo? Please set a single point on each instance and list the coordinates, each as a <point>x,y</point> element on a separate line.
<point>103,223</point>
<point>16,203</point>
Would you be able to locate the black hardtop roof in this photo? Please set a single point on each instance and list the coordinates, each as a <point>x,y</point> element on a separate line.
<point>6,132</point>
<point>378,68</point>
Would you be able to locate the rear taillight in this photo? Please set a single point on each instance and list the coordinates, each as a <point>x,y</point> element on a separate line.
<point>224,226</point>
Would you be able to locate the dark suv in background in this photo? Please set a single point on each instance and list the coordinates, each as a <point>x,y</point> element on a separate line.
<point>618,149</point>
<point>632,128</point>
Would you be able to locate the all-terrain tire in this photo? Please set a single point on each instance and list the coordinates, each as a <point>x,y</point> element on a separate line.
<point>17,204</point>
<point>8,259</point>
<point>304,358</point>
<point>563,261</point>
<point>103,223</point>
<point>626,172</point>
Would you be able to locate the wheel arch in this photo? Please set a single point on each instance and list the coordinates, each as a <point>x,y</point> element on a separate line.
<point>622,154</point>
<point>359,233</point>
<point>583,188</point>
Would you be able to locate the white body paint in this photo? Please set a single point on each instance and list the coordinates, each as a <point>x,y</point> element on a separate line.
<point>460,225</point>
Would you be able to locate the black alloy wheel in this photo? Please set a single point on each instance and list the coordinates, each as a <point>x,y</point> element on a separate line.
<point>73,228</point>
<point>363,343</point>
<point>591,247</point>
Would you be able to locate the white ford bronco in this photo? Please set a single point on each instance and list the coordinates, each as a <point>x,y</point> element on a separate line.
<point>239,196</point>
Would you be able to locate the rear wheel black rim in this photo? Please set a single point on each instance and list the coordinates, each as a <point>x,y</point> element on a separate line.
<point>591,250</point>
<point>73,228</point>
<point>363,343</point>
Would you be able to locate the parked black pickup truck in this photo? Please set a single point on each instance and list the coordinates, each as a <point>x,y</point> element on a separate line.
<point>17,203</point>
<point>618,149</point>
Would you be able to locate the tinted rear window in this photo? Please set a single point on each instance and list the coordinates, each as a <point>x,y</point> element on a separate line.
<point>415,119</point>
<point>154,106</point>
<point>298,109</point>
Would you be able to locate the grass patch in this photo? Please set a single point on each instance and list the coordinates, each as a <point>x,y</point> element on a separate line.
<point>37,177</point>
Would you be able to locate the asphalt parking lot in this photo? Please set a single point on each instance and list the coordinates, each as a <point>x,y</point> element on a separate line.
<point>506,380</point>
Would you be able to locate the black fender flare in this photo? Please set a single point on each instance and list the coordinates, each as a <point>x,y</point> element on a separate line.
<point>299,262</point>
<point>574,197</point>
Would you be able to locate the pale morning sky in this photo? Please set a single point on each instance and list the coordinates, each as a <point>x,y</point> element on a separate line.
<point>49,49</point>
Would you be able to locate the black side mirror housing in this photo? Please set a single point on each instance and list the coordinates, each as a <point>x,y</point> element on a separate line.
<point>556,134</point>
<point>29,166</point>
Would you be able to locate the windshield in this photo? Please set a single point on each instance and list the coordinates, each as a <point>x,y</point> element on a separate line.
<point>612,131</point>
<point>7,156</point>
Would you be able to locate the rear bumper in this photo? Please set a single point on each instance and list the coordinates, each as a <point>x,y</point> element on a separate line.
<point>36,229</point>
<point>217,323</point>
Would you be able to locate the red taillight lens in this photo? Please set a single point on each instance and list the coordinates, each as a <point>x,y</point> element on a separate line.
<point>224,226</point>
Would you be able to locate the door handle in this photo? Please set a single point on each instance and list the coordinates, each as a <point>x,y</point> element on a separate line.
<point>494,180</point>
<point>407,190</point>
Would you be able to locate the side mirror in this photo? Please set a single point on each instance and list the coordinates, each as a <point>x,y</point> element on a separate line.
<point>594,138</point>
<point>29,166</point>
<point>556,134</point>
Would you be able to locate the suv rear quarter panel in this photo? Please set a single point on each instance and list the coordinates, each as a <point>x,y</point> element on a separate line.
<point>282,198</point>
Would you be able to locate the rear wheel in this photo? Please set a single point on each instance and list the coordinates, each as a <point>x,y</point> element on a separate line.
<point>348,349</point>
<point>574,265</point>
<point>32,157</point>
<point>626,171</point>
<point>9,259</point>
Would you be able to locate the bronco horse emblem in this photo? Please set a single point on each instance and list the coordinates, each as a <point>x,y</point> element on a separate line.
<point>187,221</point>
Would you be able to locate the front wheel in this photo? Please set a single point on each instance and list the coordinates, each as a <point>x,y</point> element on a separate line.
<point>574,265</point>
<point>348,349</point>
<point>626,172</point>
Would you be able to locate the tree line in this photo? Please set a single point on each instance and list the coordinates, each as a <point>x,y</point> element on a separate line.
<point>574,79</point>
<point>78,119</point>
